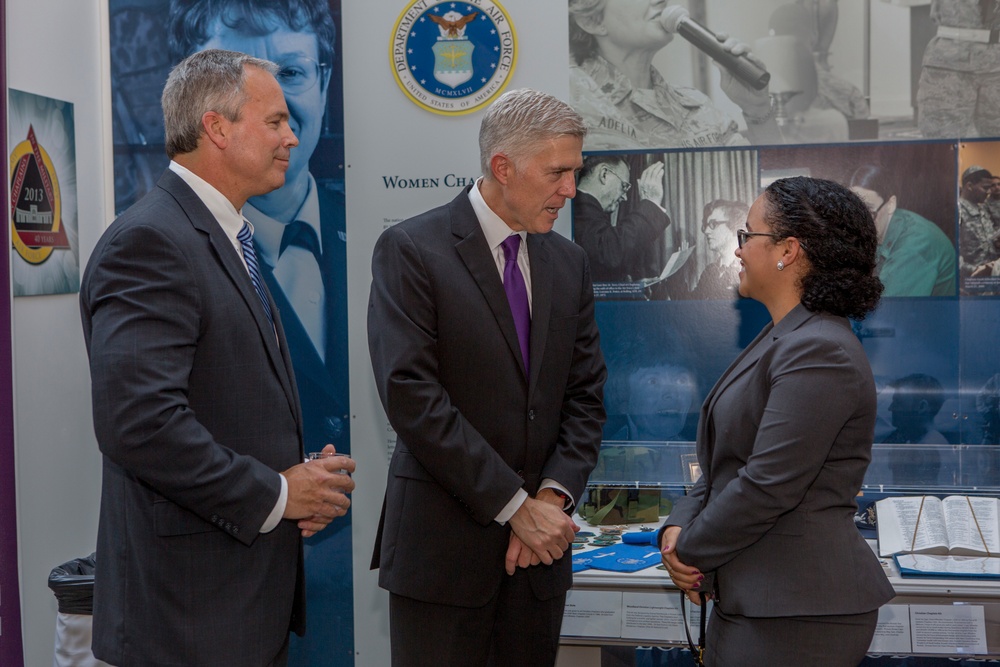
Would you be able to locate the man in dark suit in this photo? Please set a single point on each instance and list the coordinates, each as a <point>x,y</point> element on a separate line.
<point>615,248</point>
<point>299,230</point>
<point>205,496</point>
<point>496,435</point>
<point>301,242</point>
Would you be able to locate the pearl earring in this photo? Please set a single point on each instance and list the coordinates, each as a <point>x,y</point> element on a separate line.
<point>781,265</point>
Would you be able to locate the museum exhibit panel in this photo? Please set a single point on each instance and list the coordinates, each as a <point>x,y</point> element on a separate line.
<point>878,95</point>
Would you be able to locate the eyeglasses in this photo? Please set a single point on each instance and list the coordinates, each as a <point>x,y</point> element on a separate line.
<point>626,186</point>
<point>713,224</point>
<point>298,75</point>
<point>742,235</point>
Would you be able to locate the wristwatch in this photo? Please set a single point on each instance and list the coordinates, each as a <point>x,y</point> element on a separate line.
<point>567,501</point>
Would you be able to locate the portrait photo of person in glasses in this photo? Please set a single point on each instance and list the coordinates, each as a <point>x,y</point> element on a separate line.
<point>617,238</point>
<point>720,222</point>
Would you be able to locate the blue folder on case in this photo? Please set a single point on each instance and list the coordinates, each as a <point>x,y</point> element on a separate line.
<point>948,567</point>
<point>617,558</point>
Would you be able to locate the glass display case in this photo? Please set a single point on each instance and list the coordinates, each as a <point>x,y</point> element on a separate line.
<point>900,468</point>
<point>934,469</point>
<point>636,482</point>
<point>632,489</point>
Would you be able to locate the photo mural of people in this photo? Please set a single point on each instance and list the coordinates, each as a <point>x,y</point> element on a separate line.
<point>616,241</point>
<point>914,453</point>
<point>959,93</point>
<point>655,373</point>
<point>299,229</point>
<point>720,222</point>
<point>915,257</point>
<point>979,218</point>
<point>926,391</point>
<point>647,236</point>
<point>627,102</point>
<point>835,72</point>
<point>910,192</point>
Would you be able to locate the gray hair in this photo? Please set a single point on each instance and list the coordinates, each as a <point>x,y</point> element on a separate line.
<point>210,80</point>
<point>518,120</point>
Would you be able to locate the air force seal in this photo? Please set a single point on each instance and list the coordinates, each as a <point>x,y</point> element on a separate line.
<point>453,57</point>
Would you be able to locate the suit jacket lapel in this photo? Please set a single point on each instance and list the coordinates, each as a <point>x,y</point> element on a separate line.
<point>706,440</point>
<point>743,363</point>
<point>475,252</point>
<point>202,219</point>
<point>288,377</point>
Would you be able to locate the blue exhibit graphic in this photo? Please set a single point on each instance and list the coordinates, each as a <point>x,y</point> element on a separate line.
<point>43,202</point>
<point>310,288</point>
<point>936,371</point>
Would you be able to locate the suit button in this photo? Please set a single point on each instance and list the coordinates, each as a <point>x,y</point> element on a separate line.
<point>236,530</point>
<point>229,526</point>
<point>215,519</point>
<point>531,415</point>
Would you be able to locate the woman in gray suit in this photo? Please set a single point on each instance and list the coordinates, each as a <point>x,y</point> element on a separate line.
<point>784,440</point>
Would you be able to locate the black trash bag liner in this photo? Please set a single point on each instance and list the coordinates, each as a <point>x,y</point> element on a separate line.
<point>73,585</point>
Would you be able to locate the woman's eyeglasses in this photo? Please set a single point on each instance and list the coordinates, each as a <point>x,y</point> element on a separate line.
<point>742,235</point>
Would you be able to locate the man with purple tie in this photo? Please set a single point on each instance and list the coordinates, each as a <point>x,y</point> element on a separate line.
<point>487,359</point>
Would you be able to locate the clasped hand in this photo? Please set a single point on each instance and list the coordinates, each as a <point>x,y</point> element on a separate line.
<point>685,577</point>
<point>541,532</point>
<point>317,491</point>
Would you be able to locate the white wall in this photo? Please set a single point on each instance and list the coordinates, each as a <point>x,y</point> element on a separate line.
<point>55,48</point>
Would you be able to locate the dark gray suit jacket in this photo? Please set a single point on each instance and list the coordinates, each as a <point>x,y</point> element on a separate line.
<point>195,411</point>
<point>471,427</point>
<point>784,441</point>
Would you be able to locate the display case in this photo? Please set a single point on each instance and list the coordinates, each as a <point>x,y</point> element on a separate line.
<point>904,468</point>
<point>632,489</point>
<point>636,482</point>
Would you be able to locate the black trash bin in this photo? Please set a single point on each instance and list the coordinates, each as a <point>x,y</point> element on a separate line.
<point>73,585</point>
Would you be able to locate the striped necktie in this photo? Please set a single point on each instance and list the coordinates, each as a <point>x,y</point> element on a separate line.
<point>245,237</point>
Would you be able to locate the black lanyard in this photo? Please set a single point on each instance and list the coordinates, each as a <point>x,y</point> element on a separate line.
<point>697,652</point>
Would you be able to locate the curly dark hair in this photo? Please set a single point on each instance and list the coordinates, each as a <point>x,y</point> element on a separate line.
<point>837,234</point>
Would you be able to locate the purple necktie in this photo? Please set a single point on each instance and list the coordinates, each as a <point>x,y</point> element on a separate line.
<point>517,294</point>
